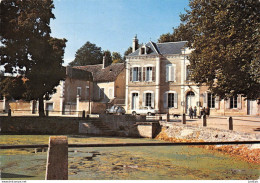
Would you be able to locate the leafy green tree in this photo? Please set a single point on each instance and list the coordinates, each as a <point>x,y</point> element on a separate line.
<point>12,87</point>
<point>88,54</point>
<point>108,55</point>
<point>28,50</point>
<point>127,52</point>
<point>182,33</point>
<point>117,58</point>
<point>225,38</point>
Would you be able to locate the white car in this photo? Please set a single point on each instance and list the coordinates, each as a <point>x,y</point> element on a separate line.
<point>145,110</point>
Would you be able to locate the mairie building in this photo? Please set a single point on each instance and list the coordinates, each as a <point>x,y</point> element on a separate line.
<point>158,75</point>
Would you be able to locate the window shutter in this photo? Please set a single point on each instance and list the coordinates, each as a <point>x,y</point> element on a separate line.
<point>143,104</point>
<point>167,73</point>
<point>227,103</point>
<point>165,100</point>
<point>239,102</point>
<point>172,73</point>
<point>152,99</point>
<point>217,102</point>
<point>153,74</point>
<point>175,100</point>
<point>205,98</point>
<point>144,73</point>
<point>139,73</point>
<point>131,74</point>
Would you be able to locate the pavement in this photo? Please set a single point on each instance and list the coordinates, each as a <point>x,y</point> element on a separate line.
<point>245,124</point>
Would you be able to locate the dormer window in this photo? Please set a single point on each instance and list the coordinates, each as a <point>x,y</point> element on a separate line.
<point>142,51</point>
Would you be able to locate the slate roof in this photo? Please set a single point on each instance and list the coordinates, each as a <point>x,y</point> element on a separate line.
<point>167,48</point>
<point>108,74</point>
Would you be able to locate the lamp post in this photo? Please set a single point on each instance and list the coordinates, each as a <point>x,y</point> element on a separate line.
<point>183,85</point>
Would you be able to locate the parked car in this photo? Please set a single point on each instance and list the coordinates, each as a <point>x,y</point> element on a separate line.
<point>145,110</point>
<point>115,109</point>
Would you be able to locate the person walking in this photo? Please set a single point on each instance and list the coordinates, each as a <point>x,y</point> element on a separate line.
<point>195,112</point>
<point>191,112</point>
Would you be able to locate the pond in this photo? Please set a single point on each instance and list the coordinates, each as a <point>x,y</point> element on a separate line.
<point>124,163</point>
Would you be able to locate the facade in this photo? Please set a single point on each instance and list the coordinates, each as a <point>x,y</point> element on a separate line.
<point>157,75</point>
<point>76,86</point>
<point>108,82</point>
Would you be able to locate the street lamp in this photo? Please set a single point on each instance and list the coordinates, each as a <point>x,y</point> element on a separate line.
<point>183,81</point>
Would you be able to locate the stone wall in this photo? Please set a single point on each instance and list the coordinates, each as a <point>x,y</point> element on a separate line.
<point>39,125</point>
<point>124,124</point>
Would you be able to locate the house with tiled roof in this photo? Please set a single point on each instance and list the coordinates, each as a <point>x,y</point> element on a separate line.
<point>157,75</point>
<point>108,82</point>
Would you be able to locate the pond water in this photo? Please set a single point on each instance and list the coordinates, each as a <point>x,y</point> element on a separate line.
<point>117,163</point>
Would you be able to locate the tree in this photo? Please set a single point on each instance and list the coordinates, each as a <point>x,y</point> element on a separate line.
<point>108,56</point>
<point>226,45</point>
<point>88,54</point>
<point>117,58</point>
<point>29,51</point>
<point>182,33</point>
<point>127,52</point>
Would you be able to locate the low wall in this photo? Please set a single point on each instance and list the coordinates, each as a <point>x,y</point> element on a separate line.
<point>39,125</point>
<point>125,125</point>
<point>148,129</point>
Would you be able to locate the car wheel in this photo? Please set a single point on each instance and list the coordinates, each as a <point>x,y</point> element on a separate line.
<point>134,113</point>
<point>149,114</point>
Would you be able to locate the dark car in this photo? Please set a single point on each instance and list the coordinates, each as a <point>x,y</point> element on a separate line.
<point>115,110</point>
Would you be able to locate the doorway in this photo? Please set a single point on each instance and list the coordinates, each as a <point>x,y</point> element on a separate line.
<point>251,107</point>
<point>190,100</point>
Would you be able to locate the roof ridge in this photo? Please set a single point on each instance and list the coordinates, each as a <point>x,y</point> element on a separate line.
<point>172,42</point>
<point>155,47</point>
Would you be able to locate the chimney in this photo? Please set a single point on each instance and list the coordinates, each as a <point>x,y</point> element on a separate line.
<point>135,44</point>
<point>104,61</point>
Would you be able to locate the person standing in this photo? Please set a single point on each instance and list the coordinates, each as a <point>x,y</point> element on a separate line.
<point>195,112</point>
<point>207,111</point>
<point>191,112</point>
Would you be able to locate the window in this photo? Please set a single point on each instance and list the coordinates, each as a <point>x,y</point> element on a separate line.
<point>149,73</point>
<point>233,102</point>
<point>211,101</point>
<point>170,72</point>
<point>142,51</point>
<point>134,100</point>
<point>170,100</point>
<point>136,71</point>
<point>49,106</point>
<point>188,73</point>
<point>148,99</point>
<point>79,91</point>
<point>101,93</point>
<point>87,92</point>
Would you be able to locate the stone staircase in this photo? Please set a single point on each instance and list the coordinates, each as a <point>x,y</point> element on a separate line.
<point>102,127</point>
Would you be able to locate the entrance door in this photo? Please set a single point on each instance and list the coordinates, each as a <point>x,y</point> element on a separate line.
<point>251,107</point>
<point>135,101</point>
<point>190,100</point>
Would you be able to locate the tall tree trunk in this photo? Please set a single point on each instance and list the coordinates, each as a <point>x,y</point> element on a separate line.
<point>41,107</point>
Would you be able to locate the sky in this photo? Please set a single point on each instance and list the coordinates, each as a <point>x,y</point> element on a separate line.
<point>112,24</point>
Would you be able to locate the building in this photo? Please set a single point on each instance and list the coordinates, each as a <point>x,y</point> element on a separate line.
<point>76,86</point>
<point>157,75</point>
<point>108,82</point>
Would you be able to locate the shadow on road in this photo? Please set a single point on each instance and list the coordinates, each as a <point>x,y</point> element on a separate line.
<point>12,175</point>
